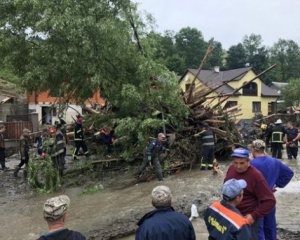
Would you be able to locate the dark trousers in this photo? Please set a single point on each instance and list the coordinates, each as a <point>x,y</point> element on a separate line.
<point>292,152</point>
<point>157,166</point>
<point>276,150</point>
<point>208,155</point>
<point>78,145</point>
<point>2,157</point>
<point>58,163</point>
<point>254,230</point>
<point>267,227</point>
<point>24,160</point>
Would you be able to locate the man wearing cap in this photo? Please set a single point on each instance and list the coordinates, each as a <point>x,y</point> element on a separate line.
<point>2,148</point>
<point>164,223</point>
<point>79,138</point>
<point>277,136</point>
<point>55,210</point>
<point>24,151</point>
<point>276,174</point>
<point>258,198</point>
<point>152,155</point>
<point>223,220</point>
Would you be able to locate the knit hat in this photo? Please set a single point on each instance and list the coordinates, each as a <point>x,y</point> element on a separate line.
<point>161,196</point>
<point>56,207</point>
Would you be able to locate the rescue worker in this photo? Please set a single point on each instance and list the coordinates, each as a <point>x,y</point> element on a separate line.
<point>152,155</point>
<point>276,174</point>
<point>292,136</point>
<point>207,148</point>
<point>58,154</point>
<point>258,200</point>
<point>106,138</point>
<point>277,136</point>
<point>2,148</point>
<point>79,138</point>
<point>268,135</point>
<point>25,145</point>
<point>164,223</point>
<point>223,220</point>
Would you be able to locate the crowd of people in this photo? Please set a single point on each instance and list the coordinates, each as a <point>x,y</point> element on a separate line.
<point>246,211</point>
<point>52,142</point>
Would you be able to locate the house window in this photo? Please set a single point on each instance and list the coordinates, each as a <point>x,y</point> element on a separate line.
<point>256,107</point>
<point>230,104</point>
<point>250,89</point>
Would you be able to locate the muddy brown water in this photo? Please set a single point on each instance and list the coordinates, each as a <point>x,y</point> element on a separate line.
<point>21,210</point>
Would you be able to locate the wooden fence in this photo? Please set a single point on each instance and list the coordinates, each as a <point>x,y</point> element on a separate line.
<point>15,129</point>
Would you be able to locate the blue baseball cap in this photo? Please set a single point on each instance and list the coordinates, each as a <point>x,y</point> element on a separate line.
<point>240,152</point>
<point>232,188</point>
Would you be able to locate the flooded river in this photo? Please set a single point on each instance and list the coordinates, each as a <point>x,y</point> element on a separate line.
<point>116,206</point>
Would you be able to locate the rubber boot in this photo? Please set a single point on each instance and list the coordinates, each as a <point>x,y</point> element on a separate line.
<point>16,171</point>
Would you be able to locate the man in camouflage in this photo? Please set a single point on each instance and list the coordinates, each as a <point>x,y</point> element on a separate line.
<point>25,143</point>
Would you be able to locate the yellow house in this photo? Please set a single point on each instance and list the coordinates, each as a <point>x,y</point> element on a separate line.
<point>253,98</point>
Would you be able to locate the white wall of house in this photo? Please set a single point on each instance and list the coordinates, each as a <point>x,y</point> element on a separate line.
<point>50,117</point>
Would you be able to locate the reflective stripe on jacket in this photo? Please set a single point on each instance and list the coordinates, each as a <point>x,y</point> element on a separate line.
<point>207,138</point>
<point>278,133</point>
<point>224,222</point>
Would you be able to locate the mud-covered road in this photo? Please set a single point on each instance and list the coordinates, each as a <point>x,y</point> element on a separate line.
<point>114,211</point>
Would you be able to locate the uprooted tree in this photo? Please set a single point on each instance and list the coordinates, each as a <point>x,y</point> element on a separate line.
<point>74,47</point>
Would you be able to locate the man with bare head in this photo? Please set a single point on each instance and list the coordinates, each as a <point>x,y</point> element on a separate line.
<point>152,155</point>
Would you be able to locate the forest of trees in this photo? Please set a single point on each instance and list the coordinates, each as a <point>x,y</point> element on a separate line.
<point>184,49</point>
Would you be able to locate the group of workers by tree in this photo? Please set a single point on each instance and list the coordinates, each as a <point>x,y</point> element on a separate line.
<point>276,135</point>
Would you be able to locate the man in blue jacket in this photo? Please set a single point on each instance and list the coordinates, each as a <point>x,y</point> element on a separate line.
<point>276,174</point>
<point>152,155</point>
<point>223,220</point>
<point>164,223</point>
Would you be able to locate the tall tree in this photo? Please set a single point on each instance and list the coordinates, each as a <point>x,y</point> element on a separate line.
<point>286,53</point>
<point>216,58</point>
<point>81,45</point>
<point>191,46</point>
<point>236,57</point>
<point>256,53</point>
<point>291,92</point>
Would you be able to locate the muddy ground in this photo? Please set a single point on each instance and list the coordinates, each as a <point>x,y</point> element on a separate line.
<point>112,213</point>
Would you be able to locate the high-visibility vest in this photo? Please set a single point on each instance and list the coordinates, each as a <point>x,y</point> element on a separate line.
<point>277,137</point>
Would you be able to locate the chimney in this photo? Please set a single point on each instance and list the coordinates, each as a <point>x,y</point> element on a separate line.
<point>216,69</point>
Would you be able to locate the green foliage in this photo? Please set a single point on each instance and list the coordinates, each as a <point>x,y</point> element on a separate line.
<point>43,177</point>
<point>286,54</point>
<point>236,57</point>
<point>291,93</point>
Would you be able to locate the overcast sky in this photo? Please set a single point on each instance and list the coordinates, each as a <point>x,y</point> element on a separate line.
<point>228,21</point>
